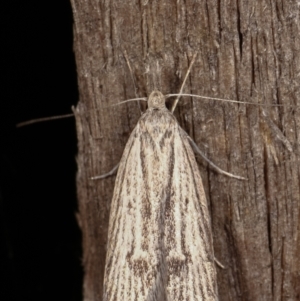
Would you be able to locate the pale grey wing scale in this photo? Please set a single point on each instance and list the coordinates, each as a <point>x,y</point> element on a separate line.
<point>188,235</point>
<point>160,244</point>
<point>133,261</point>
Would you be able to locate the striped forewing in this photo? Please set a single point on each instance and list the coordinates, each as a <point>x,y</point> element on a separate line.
<point>159,239</point>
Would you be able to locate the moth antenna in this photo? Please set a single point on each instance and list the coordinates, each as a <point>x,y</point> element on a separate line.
<point>226,100</point>
<point>128,100</point>
<point>132,78</point>
<point>32,121</point>
<point>218,169</point>
<point>21,124</point>
<point>183,83</point>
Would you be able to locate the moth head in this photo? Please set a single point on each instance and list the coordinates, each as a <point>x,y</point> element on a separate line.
<point>156,100</point>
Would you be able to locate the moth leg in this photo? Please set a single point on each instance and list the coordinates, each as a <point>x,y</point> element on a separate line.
<point>276,131</point>
<point>218,169</point>
<point>183,83</point>
<point>219,264</point>
<point>108,174</point>
<point>132,78</point>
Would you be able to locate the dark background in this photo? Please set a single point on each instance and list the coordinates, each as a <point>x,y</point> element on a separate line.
<point>40,240</point>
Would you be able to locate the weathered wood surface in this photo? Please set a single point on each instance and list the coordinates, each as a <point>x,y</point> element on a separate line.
<point>247,50</point>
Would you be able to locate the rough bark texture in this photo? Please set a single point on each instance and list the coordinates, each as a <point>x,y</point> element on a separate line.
<point>247,50</point>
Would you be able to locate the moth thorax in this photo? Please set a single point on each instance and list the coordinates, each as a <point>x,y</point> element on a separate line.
<point>156,100</point>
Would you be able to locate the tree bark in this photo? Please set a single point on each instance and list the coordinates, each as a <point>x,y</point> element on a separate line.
<point>248,51</point>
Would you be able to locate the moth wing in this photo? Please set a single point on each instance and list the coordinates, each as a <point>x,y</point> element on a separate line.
<point>160,241</point>
<point>132,260</point>
<point>188,236</point>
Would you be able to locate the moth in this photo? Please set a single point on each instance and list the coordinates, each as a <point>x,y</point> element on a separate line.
<point>160,244</point>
